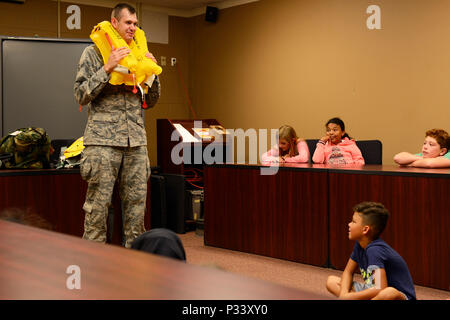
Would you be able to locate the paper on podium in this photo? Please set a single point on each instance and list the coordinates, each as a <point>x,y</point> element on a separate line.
<point>204,134</point>
<point>185,135</point>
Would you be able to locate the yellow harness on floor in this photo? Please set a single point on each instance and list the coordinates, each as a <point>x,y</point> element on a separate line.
<point>132,70</point>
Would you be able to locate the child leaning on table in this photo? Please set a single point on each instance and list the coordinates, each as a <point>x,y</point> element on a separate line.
<point>336,147</point>
<point>435,152</point>
<point>289,148</point>
<point>385,273</point>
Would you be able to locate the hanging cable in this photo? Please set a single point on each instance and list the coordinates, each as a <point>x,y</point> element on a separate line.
<point>194,176</point>
<point>185,91</point>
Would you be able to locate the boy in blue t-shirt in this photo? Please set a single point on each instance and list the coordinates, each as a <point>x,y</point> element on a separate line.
<point>385,273</point>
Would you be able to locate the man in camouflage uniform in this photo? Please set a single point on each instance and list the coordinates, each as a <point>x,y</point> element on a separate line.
<point>115,137</point>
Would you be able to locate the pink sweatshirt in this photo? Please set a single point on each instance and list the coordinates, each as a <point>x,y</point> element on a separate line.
<point>346,152</point>
<point>303,154</point>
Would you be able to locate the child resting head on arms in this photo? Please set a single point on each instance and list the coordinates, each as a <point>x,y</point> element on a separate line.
<point>435,152</point>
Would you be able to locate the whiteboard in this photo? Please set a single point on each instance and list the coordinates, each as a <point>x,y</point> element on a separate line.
<point>37,78</point>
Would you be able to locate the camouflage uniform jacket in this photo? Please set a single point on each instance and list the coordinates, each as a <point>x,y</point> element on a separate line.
<point>114,112</point>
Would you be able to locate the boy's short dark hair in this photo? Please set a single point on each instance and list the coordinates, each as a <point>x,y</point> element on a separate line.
<point>373,214</point>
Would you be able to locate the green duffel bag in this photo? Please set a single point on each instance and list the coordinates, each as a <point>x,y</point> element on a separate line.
<point>27,147</point>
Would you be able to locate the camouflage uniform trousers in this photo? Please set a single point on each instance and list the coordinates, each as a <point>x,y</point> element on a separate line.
<point>100,167</point>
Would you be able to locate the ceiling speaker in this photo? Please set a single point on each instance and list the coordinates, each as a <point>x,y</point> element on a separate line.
<point>211,14</point>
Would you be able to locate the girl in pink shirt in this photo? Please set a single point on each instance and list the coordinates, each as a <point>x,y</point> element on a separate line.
<point>337,147</point>
<point>289,148</point>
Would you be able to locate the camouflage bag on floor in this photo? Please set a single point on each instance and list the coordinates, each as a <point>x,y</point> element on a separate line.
<point>29,147</point>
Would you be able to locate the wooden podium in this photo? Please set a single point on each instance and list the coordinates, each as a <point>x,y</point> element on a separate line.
<point>182,154</point>
<point>179,147</point>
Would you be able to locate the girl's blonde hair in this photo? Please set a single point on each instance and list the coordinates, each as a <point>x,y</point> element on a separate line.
<point>288,133</point>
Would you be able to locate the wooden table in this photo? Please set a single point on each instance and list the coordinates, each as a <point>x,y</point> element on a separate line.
<point>33,265</point>
<point>57,196</point>
<point>301,213</point>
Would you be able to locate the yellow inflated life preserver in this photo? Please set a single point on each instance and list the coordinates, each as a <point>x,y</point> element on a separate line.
<point>139,66</point>
<point>74,149</point>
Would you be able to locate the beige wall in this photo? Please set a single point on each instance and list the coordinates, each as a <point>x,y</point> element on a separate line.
<point>34,18</point>
<point>90,16</point>
<point>172,103</point>
<point>297,62</point>
<point>301,62</point>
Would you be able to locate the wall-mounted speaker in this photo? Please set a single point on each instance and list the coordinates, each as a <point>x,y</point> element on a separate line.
<point>211,14</point>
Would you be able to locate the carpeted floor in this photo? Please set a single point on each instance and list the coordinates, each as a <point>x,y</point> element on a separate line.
<point>292,274</point>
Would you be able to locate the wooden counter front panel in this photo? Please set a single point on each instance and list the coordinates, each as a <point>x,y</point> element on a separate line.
<point>281,216</point>
<point>59,199</point>
<point>417,228</point>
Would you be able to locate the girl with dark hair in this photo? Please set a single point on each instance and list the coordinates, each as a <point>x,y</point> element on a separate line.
<point>336,147</point>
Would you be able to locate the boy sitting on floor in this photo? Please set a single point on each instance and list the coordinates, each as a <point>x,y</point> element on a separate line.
<point>385,273</point>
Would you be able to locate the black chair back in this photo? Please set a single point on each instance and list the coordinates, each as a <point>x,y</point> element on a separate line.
<point>312,147</point>
<point>57,144</point>
<point>372,151</point>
